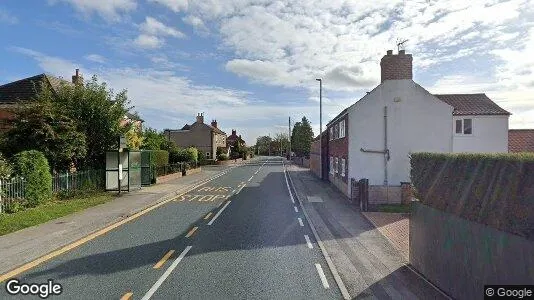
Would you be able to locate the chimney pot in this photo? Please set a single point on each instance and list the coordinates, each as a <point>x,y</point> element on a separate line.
<point>77,78</point>
<point>402,52</point>
<point>389,52</point>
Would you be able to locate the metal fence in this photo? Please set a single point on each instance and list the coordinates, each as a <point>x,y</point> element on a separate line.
<point>82,180</point>
<point>13,190</point>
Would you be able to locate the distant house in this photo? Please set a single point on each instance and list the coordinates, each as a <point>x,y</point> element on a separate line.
<point>27,89</point>
<point>521,140</point>
<point>233,139</point>
<point>134,119</point>
<point>373,138</point>
<point>204,137</point>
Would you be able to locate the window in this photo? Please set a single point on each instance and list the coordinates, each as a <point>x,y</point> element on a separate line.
<point>331,165</point>
<point>464,126</point>
<point>342,167</point>
<point>336,165</point>
<point>336,130</point>
<point>208,154</point>
<point>342,129</point>
<point>331,133</point>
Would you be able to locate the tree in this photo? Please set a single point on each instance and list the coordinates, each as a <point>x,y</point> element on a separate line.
<point>280,143</point>
<point>99,115</point>
<point>301,138</point>
<point>41,125</point>
<point>263,143</point>
<point>153,140</point>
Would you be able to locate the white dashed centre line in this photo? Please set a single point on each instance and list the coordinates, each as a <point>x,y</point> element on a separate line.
<point>296,209</point>
<point>308,242</point>
<point>300,222</point>
<point>219,213</point>
<point>323,277</point>
<point>168,272</point>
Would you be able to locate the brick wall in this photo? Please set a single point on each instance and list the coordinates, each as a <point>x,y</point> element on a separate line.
<point>406,193</point>
<point>394,67</point>
<point>315,160</point>
<point>339,147</point>
<point>379,194</point>
<point>6,118</point>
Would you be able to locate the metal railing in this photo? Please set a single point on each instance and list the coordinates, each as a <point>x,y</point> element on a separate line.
<point>13,190</point>
<point>89,179</point>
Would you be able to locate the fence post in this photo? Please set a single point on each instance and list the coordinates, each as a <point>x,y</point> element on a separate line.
<point>67,180</point>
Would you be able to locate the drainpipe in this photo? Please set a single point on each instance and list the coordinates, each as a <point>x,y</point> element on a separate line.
<point>386,154</point>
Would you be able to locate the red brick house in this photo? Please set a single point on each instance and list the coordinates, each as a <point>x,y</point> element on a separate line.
<point>520,140</point>
<point>234,138</point>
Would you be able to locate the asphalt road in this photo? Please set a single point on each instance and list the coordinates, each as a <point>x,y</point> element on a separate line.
<point>238,236</point>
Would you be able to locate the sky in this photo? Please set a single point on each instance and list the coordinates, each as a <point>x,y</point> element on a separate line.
<point>251,64</point>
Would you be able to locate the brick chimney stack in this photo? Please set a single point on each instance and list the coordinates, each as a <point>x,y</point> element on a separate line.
<point>200,118</point>
<point>233,132</point>
<point>214,123</point>
<point>77,78</point>
<point>395,67</point>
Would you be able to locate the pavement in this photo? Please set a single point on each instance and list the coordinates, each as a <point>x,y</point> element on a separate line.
<point>240,235</point>
<point>395,227</point>
<point>369,266</point>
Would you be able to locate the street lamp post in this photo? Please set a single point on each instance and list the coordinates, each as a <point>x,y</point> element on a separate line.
<point>320,125</point>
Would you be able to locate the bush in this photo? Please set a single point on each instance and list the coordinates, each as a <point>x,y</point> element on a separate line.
<point>493,189</point>
<point>222,157</point>
<point>5,168</point>
<point>33,167</point>
<point>186,155</point>
<point>160,158</point>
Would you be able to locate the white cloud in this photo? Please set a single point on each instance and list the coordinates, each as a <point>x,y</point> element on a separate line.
<point>95,58</point>
<point>197,23</point>
<point>7,18</point>
<point>174,5</point>
<point>148,41</point>
<point>153,33</point>
<point>110,10</point>
<point>154,27</point>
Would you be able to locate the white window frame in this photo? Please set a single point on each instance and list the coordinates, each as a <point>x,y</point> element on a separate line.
<point>336,165</point>
<point>463,128</point>
<point>342,129</point>
<point>336,131</point>
<point>331,133</point>
<point>331,165</point>
<point>342,167</point>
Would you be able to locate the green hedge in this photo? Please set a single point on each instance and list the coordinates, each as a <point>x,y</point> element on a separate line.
<point>493,189</point>
<point>160,158</point>
<point>185,155</point>
<point>33,167</point>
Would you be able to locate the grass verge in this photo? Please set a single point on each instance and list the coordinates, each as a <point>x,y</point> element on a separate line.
<point>49,211</point>
<point>393,208</point>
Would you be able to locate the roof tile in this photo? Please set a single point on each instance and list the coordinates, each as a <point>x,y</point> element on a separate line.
<point>472,104</point>
<point>521,140</point>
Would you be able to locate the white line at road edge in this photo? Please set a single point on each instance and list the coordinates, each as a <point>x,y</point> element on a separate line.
<point>323,277</point>
<point>168,272</point>
<point>308,242</point>
<point>287,183</point>
<point>331,266</point>
<point>300,222</point>
<point>296,209</point>
<point>219,212</point>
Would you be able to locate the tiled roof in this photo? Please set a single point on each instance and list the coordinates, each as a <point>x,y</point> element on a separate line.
<point>472,104</point>
<point>27,89</point>
<point>215,129</point>
<point>521,140</point>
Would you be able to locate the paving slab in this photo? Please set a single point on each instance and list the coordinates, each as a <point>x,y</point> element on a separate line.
<point>366,261</point>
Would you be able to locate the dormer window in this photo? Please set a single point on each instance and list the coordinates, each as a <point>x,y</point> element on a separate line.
<point>464,126</point>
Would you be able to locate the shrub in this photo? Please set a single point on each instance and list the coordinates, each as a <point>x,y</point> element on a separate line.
<point>5,168</point>
<point>33,167</point>
<point>492,189</point>
<point>160,158</point>
<point>186,155</point>
<point>222,157</point>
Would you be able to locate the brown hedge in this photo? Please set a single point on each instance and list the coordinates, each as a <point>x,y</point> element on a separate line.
<point>492,189</point>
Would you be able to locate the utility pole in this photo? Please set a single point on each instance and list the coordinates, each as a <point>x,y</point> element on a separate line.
<point>320,125</point>
<point>289,137</point>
